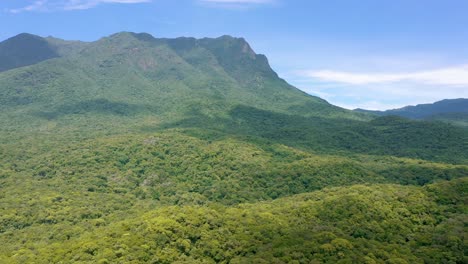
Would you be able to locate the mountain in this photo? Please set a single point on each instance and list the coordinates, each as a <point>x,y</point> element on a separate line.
<point>136,149</point>
<point>446,110</point>
<point>25,49</point>
<point>152,73</point>
<point>135,82</point>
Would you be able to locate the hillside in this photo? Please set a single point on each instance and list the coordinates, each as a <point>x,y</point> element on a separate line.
<point>136,149</point>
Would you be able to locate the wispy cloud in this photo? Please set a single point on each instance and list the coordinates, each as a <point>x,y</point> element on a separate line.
<point>238,1</point>
<point>454,76</point>
<point>39,5</point>
<point>377,105</point>
<point>56,5</point>
<point>235,4</point>
<point>380,91</point>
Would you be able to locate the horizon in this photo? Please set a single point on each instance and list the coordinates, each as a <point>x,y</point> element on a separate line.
<point>362,55</point>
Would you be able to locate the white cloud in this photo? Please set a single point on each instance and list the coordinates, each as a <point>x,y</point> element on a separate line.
<point>382,96</point>
<point>239,1</point>
<point>86,4</point>
<point>54,5</point>
<point>453,76</point>
<point>387,90</point>
<point>235,4</point>
<point>372,105</point>
<point>35,6</point>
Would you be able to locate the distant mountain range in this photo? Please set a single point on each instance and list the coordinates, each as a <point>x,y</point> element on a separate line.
<point>450,110</point>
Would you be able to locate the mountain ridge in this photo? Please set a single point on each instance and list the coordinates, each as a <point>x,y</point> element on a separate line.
<point>204,58</point>
<point>422,111</point>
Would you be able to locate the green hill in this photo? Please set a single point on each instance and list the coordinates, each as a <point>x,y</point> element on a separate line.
<point>135,149</point>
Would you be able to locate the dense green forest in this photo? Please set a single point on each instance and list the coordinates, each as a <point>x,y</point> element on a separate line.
<point>133,149</point>
<point>358,224</point>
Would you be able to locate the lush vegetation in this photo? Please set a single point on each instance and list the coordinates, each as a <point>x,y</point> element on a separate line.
<point>359,224</point>
<point>133,149</point>
<point>169,196</point>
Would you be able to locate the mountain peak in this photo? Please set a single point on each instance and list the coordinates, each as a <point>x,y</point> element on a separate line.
<point>134,35</point>
<point>25,49</point>
<point>240,42</point>
<point>120,36</point>
<point>23,36</point>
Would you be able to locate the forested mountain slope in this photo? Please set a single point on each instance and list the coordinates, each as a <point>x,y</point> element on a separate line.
<point>135,149</point>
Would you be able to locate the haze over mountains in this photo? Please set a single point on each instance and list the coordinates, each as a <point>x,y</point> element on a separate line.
<point>135,149</point>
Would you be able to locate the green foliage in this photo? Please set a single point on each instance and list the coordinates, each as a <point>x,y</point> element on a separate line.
<point>459,119</point>
<point>359,224</point>
<point>170,164</point>
<point>88,201</point>
<point>382,136</point>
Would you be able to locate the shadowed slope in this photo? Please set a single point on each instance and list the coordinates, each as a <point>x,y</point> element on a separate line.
<point>25,49</point>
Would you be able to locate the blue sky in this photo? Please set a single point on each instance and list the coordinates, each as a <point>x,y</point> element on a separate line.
<point>375,54</point>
